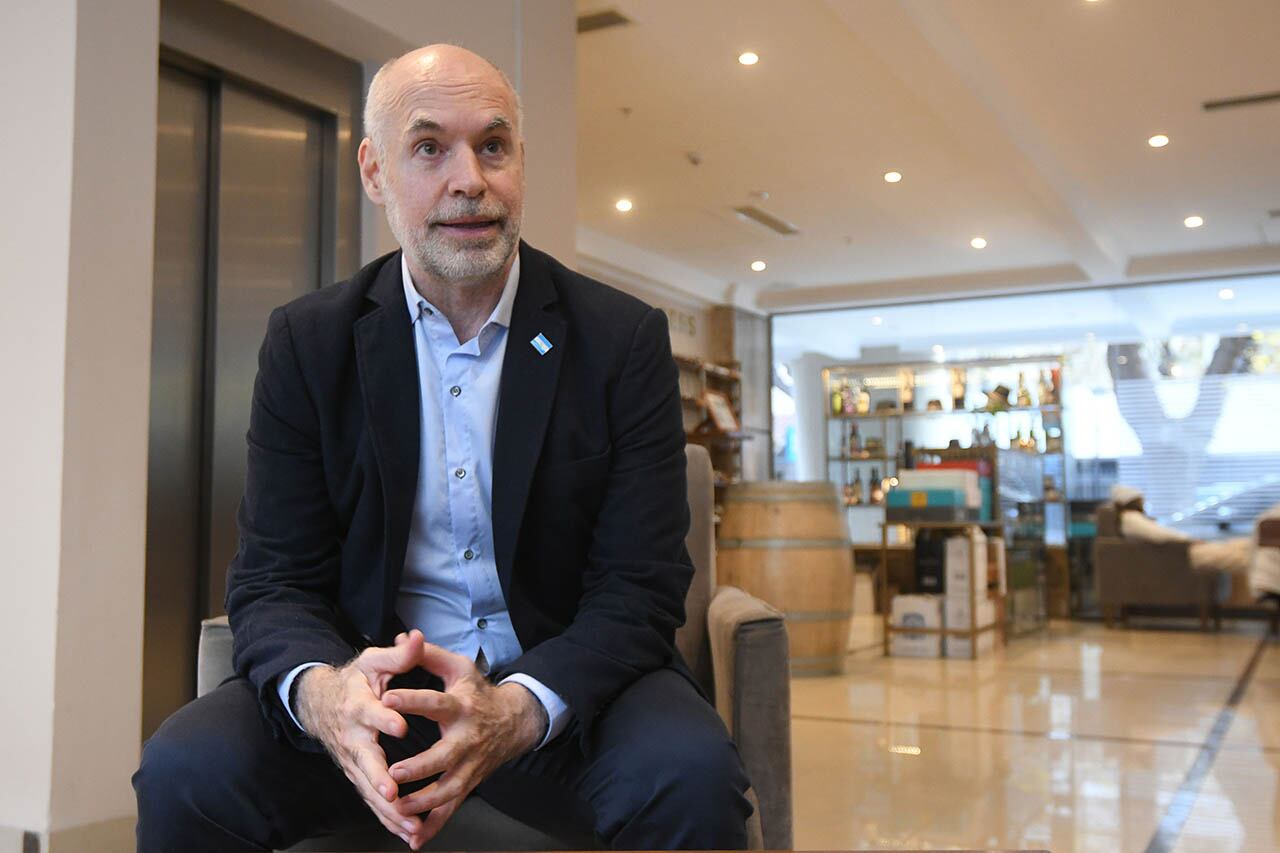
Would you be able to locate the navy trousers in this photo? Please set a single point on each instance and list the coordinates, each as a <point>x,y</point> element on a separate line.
<point>659,773</point>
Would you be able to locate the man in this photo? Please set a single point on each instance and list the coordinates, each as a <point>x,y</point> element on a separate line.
<point>470,442</point>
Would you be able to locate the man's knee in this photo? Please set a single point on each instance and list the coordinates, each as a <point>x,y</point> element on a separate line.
<point>184,764</point>
<point>687,781</point>
<point>198,772</point>
<point>701,767</point>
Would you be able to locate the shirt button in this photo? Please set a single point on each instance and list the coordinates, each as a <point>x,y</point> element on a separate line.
<point>482,623</point>
<point>459,473</point>
<point>468,554</point>
<point>455,390</point>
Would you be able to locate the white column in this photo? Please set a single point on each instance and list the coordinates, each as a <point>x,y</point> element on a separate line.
<point>79,90</point>
<point>811,402</point>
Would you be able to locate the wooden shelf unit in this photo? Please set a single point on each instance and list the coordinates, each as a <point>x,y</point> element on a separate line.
<point>696,378</point>
<point>971,632</point>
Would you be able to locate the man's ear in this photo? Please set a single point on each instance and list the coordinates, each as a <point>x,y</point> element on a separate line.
<point>371,175</point>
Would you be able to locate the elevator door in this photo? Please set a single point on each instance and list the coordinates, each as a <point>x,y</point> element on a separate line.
<point>239,213</point>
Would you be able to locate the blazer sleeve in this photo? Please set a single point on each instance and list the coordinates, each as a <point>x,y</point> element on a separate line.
<point>282,584</point>
<point>638,570</point>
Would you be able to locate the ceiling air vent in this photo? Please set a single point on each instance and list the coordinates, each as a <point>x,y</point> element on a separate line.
<point>1242,101</point>
<point>768,220</point>
<point>601,21</point>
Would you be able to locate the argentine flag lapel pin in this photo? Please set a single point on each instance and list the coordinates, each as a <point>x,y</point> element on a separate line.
<point>541,344</point>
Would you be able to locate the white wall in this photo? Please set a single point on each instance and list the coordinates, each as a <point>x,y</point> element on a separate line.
<point>80,90</point>
<point>34,253</point>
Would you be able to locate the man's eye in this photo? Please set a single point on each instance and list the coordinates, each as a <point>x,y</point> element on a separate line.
<point>428,148</point>
<point>494,146</point>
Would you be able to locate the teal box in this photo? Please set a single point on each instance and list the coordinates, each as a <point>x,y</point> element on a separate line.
<point>922,498</point>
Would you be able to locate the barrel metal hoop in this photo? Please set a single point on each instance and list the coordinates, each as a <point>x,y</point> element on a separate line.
<point>802,498</point>
<point>782,544</point>
<point>816,615</point>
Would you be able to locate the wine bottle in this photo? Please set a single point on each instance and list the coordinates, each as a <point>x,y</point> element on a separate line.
<point>908,383</point>
<point>1024,396</point>
<point>855,489</point>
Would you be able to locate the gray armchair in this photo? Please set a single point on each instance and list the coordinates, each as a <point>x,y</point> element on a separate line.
<point>736,646</point>
<point>1147,574</point>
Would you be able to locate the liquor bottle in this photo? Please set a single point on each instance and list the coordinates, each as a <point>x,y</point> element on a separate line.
<point>908,383</point>
<point>846,397</point>
<point>1045,389</point>
<point>855,441</point>
<point>957,389</point>
<point>837,403</point>
<point>987,440</point>
<point>877,487</point>
<point>1024,396</point>
<point>855,489</point>
<point>864,401</point>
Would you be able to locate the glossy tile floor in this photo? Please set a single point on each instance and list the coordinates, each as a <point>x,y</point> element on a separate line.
<point>1075,738</point>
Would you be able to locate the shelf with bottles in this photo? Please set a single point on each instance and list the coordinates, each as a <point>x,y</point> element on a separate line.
<point>896,390</point>
<point>878,416</point>
<point>855,494</point>
<point>936,413</point>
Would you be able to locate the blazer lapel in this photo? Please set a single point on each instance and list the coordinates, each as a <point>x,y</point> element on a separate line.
<point>388,367</point>
<point>525,396</point>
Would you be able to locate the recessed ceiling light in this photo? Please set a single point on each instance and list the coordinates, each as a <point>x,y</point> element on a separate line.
<point>748,58</point>
<point>1193,221</point>
<point>1158,141</point>
<point>876,321</point>
<point>938,348</point>
<point>759,266</point>
<point>978,243</point>
<point>893,177</point>
<point>623,204</point>
<point>1226,294</point>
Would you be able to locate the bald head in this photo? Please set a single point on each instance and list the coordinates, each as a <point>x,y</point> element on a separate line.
<point>444,66</point>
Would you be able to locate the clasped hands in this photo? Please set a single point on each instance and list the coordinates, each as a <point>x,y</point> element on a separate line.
<point>482,727</point>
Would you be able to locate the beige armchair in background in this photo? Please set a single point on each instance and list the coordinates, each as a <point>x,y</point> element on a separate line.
<point>736,646</point>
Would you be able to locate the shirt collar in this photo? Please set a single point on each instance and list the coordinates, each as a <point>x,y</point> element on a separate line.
<point>501,315</point>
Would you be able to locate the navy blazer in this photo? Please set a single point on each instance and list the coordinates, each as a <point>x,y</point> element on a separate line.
<point>589,508</point>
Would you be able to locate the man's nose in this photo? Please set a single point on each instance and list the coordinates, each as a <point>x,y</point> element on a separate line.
<point>466,179</point>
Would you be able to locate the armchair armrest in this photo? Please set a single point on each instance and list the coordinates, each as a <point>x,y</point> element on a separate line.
<point>753,695</point>
<point>213,659</point>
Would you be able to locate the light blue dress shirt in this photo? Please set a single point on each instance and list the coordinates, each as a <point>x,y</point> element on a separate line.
<point>449,588</point>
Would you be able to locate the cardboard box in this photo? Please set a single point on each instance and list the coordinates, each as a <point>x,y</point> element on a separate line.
<point>966,569</point>
<point>920,498</point>
<point>916,611</point>
<point>965,482</point>
<point>956,612</point>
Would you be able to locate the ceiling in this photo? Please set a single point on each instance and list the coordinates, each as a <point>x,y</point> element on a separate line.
<point>1022,122</point>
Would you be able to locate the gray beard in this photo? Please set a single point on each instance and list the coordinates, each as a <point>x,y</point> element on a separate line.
<point>434,255</point>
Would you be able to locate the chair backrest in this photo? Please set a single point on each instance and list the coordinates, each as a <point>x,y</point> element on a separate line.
<point>701,542</point>
<point>1108,521</point>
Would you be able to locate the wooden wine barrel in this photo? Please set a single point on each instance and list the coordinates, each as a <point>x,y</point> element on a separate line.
<point>788,544</point>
